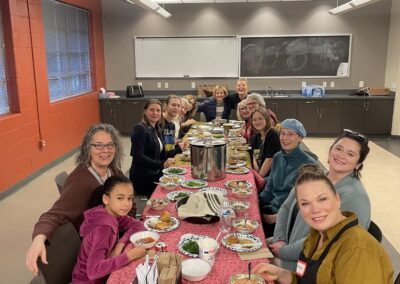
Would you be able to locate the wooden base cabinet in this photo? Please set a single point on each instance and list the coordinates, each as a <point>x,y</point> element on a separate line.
<point>282,108</point>
<point>368,116</point>
<point>320,116</point>
<point>133,111</point>
<point>111,111</point>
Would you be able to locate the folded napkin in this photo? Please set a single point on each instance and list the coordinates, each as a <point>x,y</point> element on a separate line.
<point>261,253</point>
<point>169,268</point>
<point>201,204</point>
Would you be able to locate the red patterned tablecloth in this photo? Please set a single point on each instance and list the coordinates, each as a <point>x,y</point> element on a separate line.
<point>227,262</point>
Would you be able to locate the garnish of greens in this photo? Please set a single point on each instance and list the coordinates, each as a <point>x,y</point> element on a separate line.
<point>180,195</point>
<point>191,247</point>
<point>193,183</point>
<point>175,171</point>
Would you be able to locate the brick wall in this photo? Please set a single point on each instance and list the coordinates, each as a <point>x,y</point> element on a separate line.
<point>62,124</point>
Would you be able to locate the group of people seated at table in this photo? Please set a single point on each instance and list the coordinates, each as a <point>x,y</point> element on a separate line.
<point>315,221</point>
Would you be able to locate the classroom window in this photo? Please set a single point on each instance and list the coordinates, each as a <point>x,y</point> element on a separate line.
<point>4,105</point>
<point>67,50</point>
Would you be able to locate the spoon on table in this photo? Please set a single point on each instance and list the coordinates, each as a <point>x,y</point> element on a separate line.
<point>249,269</point>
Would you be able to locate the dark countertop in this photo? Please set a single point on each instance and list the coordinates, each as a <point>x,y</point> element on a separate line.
<point>339,94</point>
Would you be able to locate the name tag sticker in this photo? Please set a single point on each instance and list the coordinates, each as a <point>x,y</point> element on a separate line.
<point>301,268</point>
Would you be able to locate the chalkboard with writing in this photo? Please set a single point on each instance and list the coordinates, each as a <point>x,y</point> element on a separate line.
<point>295,56</point>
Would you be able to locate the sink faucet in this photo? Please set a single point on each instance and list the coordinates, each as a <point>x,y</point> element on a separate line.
<point>269,88</point>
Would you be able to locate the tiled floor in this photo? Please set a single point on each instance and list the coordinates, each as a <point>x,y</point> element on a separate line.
<point>20,211</point>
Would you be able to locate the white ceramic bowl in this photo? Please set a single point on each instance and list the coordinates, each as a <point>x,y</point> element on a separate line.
<point>239,225</point>
<point>142,235</point>
<point>242,193</point>
<point>195,269</point>
<point>157,203</point>
<point>169,185</point>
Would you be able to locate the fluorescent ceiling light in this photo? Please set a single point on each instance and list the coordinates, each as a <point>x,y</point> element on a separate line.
<point>152,5</point>
<point>197,1</point>
<point>168,1</point>
<point>163,12</point>
<point>350,6</point>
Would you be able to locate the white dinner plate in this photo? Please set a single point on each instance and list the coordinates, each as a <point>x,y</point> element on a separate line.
<point>187,239</point>
<point>194,183</point>
<point>238,171</point>
<point>216,190</point>
<point>255,244</point>
<point>171,196</point>
<point>238,164</point>
<point>148,224</point>
<point>242,183</point>
<point>174,171</point>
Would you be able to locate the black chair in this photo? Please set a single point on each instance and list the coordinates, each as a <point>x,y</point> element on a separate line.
<point>62,252</point>
<point>60,180</point>
<point>375,231</point>
<point>397,281</point>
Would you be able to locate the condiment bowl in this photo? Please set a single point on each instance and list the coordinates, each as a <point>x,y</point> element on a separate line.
<point>239,206</point>
<point>195,269</point>
<point>245,226</point>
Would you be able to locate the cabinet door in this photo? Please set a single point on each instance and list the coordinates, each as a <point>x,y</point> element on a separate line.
<point>378,116</point>
<point>111,112</point>
<point>284,108</point>
<point>308,114</point>
<point>330,117</point>
<point>133,111</point>
<point>353,115</point>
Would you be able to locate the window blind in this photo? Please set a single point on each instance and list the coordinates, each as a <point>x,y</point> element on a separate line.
<point>67,50</point>
<point>4,105</point>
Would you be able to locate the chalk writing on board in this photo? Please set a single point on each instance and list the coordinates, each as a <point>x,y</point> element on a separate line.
<point>294,56</point>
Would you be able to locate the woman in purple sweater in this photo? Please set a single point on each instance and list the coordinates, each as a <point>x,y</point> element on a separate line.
<point>102,252</point>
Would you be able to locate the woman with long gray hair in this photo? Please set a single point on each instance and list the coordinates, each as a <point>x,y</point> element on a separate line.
<point>99,158</point>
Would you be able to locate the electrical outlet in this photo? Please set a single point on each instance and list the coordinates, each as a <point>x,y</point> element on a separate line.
<point>332,84</point>
<point>393,86</point>
<point>304,84</point>
<point>166,85</point>
<point>193,85</point>
<point>361,84</point>
<point>159,85</point>
<point>324,84</point>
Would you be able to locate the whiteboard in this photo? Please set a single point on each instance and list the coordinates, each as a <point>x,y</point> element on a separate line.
<point>186,57</point>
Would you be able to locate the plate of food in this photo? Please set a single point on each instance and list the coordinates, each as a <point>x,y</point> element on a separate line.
<point>174,171</point>
<point>216,190</point>
<point>157,203</point>
<point>146,239</point>
<point>245,226</point>
<point>242,192</point>
<point>243,278</point>
<point>171,179</point>
<point>189,246</point>
<point>238,171</point>
<point>238,184</point>
<point>194,183</point>
<point>161,224</point>
<point>178,194</point>
<point>239,206</point>
<point>242,242</point>
<point>233,163</point>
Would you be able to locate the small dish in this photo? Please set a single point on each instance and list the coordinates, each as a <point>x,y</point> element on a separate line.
<point>195,269</point>
<point>242,192</point>
<point>239,206</point>
<point>174,171</point>
<point>157,203</point>
<point>169,186</point>
<point>145,239</point>
<point>194,183</point>
<point>245,226</point>
<point>241,277</point>
<point>171,179</point>
<point>238,184</point>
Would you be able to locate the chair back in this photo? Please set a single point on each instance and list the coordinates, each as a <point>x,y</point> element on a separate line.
<point>397,281</point>
<point>375,231</point>
<point>62,252</point>
<point>60,180</point>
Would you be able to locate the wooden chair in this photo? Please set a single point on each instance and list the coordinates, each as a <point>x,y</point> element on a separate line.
<point>62,252</point>
<point>60,180</point>
<point>375,231</point>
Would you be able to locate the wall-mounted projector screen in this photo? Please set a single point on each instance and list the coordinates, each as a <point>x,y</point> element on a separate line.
<point>185,57</point>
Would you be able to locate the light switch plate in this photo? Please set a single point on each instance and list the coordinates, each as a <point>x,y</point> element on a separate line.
<point>324,84</point>
<point>393,85</point>
<point>361,84</point>
<point>332,84</point>
<point>166,85</point>
<point>304,84</point>
<point>193,85</point>
<point>159,85</point>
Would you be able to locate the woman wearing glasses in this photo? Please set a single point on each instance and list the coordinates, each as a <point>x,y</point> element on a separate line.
<point>337,249</point>
<point>345,159</point>
<point>254,101</point>
<point>148,152</point>
<point>98,159</point>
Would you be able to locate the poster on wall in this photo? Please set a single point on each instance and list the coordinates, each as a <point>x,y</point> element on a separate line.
<point>295,56</point>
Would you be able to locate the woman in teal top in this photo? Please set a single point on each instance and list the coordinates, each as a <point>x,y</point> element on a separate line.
<point>345,159</point>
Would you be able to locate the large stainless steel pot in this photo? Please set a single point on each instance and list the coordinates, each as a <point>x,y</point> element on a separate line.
<point>208,157</point>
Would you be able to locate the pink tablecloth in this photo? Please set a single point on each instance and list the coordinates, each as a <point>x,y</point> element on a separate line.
<point>227,262</point>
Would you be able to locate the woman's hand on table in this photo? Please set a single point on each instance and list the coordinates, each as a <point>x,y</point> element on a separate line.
<point>136,253</point>
<point>274,247</point>
<point>119,247</point>
<point>36,249</point>
<point>184,144</point>
<point>169,162</point>
<point>272,273</point>
<point>269,219</point>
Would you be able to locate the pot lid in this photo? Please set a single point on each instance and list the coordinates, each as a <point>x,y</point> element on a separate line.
<point>208,142</point>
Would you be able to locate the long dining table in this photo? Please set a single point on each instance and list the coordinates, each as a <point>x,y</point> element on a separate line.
<point>227,262</point>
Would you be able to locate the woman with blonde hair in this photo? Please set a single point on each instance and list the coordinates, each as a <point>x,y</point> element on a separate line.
<point>214,106</point>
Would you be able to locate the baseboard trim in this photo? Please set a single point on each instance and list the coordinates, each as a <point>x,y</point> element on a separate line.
<point>19,185</point>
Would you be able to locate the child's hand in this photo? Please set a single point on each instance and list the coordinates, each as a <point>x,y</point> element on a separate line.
<point>136,253</point>
<point>119,247</point>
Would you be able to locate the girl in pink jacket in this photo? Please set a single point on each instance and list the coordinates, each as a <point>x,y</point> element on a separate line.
<point>101,250</point>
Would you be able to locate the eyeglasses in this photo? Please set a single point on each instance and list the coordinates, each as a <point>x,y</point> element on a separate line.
<point>100,146</point>
<point>356,135</point>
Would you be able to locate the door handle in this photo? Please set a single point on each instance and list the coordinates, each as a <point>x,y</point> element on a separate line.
<point>320,113</point>
<point>310,102</point>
